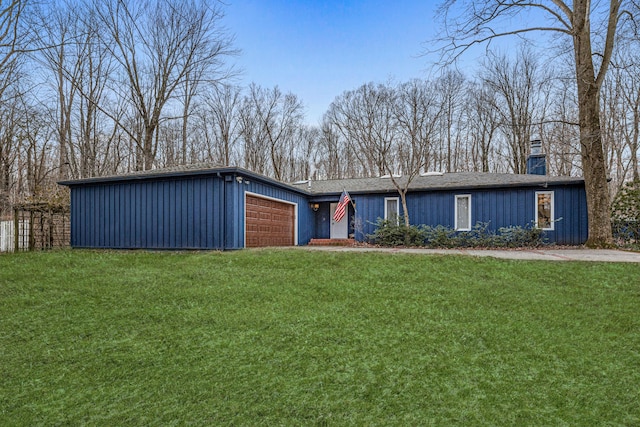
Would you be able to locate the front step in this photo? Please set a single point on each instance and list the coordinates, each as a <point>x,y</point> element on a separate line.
<point>332,242</point>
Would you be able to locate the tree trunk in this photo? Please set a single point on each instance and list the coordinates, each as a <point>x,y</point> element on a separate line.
<point>595,178</point>
<point>405,209</point>
<point>593,162</point>
<point>634,155</point>
<point>147,150</point>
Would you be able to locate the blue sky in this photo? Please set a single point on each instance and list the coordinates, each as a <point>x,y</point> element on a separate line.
<point>319,49</point>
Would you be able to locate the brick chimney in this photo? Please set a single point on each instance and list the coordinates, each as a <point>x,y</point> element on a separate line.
<point>537,160</point>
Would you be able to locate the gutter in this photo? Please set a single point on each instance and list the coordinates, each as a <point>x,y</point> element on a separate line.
<point>235,171</point>
<point>577,181</point>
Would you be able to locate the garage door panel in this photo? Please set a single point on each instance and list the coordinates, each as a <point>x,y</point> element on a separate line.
<point>269,222</point>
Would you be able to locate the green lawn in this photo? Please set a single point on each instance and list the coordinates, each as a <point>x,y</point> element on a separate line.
<point>313,338</point>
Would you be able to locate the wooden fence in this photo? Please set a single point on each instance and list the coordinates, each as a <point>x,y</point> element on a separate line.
<point>8,236</point>
<point>36,226</point>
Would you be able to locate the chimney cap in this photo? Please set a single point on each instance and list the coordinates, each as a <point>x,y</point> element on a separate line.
<point>536,147</point>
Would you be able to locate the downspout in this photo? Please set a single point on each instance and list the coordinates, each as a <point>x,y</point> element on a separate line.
<point>223,213</point>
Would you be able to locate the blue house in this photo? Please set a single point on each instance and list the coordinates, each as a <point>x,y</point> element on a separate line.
<point>216,207</point>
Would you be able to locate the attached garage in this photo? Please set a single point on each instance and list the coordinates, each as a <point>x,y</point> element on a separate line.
<point>269,222</point>
<point>188,207</point>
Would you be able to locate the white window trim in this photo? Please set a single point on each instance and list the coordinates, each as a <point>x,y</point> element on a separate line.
<point>386,214</point>
<point>553,209</point>
<point>455,213</point>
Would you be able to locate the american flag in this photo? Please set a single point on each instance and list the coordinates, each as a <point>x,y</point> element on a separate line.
<point>341,209</point>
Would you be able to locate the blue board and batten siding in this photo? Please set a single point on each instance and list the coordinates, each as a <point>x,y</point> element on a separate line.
<point>199,212</point>
<point>205,209</point>
<point>499,207</point>
<point>157,214</point>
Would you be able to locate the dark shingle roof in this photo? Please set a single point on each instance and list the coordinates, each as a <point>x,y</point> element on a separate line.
<point>170,170</point>
<point>458,180</point>
<point>196,169</point>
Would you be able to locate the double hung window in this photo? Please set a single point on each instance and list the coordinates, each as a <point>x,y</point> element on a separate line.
<point>463,212</point>
<point>544,210</point>
<point>392,209</point>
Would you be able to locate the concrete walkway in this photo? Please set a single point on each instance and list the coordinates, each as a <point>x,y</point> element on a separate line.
<point>542,254</point>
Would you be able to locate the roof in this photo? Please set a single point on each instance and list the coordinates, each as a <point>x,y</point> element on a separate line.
<point>445,181</point>
<point>195,168</point>
<point>182,171</point>
<point>457,180</point>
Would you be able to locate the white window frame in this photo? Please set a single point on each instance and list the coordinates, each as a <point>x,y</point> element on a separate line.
<point>386,213</point>
<point>455,213</point>
<point>553,209</point>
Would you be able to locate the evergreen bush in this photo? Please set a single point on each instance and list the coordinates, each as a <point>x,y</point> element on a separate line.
<point>393,233</point>
<point>517,236</point>
<point>625,214</point>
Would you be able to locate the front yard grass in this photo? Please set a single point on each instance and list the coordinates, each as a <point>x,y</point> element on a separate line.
<point>290,337</point>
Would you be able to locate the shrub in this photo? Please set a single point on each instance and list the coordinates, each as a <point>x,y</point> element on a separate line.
<point>479,236</point>
<point>444,237</point>
<point>395,233</point>
<point>390,233</point>
<point>625,213</point>
<point>515,237</point>
<point>440,236</point>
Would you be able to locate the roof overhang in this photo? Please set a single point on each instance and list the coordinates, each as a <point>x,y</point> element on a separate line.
<point>320,191</point>
<point>163,174</point>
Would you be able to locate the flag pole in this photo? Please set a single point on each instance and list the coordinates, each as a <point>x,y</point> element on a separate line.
<point>350,199</point>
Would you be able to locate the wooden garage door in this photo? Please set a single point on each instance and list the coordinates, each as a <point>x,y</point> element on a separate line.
<point>268,223</point>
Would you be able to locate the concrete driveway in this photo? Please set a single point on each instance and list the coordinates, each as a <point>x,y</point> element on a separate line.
<point>542,254</point>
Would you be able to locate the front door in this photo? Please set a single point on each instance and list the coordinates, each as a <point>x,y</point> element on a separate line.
<point>340,229</point>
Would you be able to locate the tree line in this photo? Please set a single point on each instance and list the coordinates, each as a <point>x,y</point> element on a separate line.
<point>103,87</point>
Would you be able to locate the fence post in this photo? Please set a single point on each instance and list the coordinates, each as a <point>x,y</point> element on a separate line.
<point>50,219</point>
<point>16,230</point>
<point>32,239</point>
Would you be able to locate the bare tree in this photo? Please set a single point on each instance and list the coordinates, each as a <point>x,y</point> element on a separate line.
<point>68,45</point>
<point>269,122</point>
<point>484,121</point>
<point>159,45</point>
<point>417,112</point>
<point>207,75</point>
<point>560,136</point>
<point>365,118</point>
<point>416,116</point>
<point>451,89</point>
<point>392,129</point>
<point>10,119</point>
<point>517,88</point>
<point>334,151</point>
<point>98,132</point>
<point>254,140</point>
<point>12,39</point>
<point>613,121</point>
<point>626,76</point>
<point>220,122</point>
<point>40,155</point>
<point>307,154</point>
<point>12,35</point>
<point>56,47</point>
<point>592,28</point>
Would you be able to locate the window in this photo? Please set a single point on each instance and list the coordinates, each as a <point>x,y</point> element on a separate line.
<point>463,212</point>
<point>544,210</point>
<point>392,208</point>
